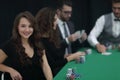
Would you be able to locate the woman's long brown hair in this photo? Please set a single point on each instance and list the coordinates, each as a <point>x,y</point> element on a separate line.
<point>33,40</point>
<point>45,22</point>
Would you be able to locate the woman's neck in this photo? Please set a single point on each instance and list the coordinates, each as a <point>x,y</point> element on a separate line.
<point>25,42</point>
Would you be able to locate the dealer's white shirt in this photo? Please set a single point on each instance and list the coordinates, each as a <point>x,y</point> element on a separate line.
<point>98,28</point>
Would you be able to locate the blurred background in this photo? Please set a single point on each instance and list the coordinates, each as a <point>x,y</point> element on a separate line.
<point>85,13</point>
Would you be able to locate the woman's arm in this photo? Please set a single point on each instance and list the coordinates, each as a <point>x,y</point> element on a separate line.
<point>74,56</point>
<point>46,68</point>
<point>13,73</point>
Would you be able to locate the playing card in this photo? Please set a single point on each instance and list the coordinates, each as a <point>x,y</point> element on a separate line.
<point>82,32</point>
<point>106,53</point>
<point>77,34</point>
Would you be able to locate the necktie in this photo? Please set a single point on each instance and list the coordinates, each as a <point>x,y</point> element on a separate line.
<point>65,30</point>
<point>66,35</point>
<point>116,19</point>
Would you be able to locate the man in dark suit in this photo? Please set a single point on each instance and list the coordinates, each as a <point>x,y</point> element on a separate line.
<point>66,27</point>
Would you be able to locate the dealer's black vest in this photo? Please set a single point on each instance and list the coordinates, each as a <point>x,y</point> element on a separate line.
<point>107,34</point>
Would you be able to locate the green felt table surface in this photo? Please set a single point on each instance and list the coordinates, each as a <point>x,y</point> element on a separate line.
<point>96,67</point>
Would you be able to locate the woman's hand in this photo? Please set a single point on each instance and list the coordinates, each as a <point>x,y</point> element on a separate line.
<point>75,56</point>
<point>15,75</point>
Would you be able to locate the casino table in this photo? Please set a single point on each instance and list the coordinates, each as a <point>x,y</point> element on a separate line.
<point>95,67</point>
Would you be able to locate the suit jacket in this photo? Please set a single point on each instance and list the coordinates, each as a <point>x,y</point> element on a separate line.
<point>74,45</point>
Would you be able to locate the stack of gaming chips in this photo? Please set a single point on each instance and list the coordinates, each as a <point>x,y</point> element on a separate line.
<point>119,46</point>
<point>109,46</point>
<point>71,74</point>
<point>81,59</point>
<point>116,46</point>
<point>88,51</point>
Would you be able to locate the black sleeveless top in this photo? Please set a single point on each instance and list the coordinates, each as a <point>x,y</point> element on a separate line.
<point>29,71</point>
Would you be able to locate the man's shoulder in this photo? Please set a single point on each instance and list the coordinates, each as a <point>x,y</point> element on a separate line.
<point>70,23</point>
<point>108,14</point>
<point>105,15</point>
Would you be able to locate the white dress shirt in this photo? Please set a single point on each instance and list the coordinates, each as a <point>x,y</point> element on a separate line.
<point>61,27</point>
<point>98,28</point>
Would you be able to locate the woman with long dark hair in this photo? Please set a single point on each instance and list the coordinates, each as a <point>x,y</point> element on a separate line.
<point>46,20</point>
<point>23,56</point>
